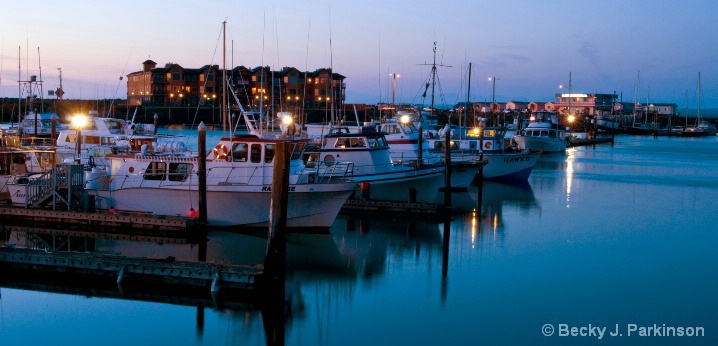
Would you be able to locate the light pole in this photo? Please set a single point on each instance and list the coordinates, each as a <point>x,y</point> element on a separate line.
<point>393,91</point>
<point>79,121</point>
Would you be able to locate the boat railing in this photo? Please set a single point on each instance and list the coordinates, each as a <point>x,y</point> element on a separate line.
<point>334,171</point>
<point>41,186</point>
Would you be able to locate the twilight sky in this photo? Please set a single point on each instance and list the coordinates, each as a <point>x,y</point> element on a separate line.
<point>530,46</point>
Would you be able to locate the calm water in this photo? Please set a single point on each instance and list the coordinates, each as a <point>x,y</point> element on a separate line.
<point>603,236</point>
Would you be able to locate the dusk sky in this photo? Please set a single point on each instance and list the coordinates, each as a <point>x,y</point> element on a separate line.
<point>530,46</point>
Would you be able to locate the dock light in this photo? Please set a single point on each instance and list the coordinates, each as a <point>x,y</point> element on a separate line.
<point>287,120</point>
<point>571,118</point>
<point>78,122</point>
<point>532,118</point>
<point>405,119</point>
<point>476,131</point>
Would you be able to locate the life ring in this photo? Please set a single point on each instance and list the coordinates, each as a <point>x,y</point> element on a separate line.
<point>220,152</point>
<point>487,145</point>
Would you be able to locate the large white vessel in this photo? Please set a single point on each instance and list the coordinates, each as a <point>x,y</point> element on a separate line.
<point>238,179</point>
<point>543,134</point>
<point>488,144</point>
<point>364,156</point>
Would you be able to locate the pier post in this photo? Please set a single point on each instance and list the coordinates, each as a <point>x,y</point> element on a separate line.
<point>202,173</point>
<point>276,257</point>
<point>447,163</point>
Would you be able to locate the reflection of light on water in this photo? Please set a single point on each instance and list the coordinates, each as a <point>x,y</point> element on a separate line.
<point>473,229</point>
<point>569,179</point>
<point>496,224</point>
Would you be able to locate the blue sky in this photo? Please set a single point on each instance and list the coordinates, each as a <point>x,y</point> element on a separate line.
<point>530,46</point>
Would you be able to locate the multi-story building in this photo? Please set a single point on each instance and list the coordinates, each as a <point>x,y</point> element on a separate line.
<point>285,90</point>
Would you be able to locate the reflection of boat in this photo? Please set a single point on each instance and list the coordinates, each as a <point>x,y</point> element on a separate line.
<point>238,180</point>
<point>543,133</point>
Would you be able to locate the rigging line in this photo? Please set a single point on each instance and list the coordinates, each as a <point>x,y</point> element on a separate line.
<point>204,86</point>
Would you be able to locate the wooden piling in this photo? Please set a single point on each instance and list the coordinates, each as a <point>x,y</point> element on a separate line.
<point>202,172</point>
<point>447,163</point>
<point>275,259</point>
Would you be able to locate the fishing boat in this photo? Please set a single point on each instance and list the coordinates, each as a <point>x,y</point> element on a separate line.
<point>543,133</point>
<point>488,143</point>
<point>114,135</point>
<point>19,159</point>
<point>402,136</point>
<point>364,156</point>
<point>238,179</point>
<point>41,124</point>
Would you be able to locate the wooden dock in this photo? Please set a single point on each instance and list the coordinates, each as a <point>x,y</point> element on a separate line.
<point>132,271</point>
<point>107,221</point>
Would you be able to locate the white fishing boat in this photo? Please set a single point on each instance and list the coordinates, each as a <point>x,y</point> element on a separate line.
<point>402,136</point>
<point>113,134</point>
<point>40,124</point>
<point>364,156</point>
<point>239,184</point>
<point>487,144</point>
<point>543,134</point>
<point>18,161</point>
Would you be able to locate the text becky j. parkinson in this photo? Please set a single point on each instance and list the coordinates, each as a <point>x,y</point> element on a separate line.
<point>619,330</point>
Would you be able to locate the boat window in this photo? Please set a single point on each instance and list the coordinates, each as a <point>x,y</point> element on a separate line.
<point>372,142</point>
<point>179,171</point>
<point>544,133</point>
<point>298,150</point>
<point>256,153</point>
<point>552,134</point>
<point>489,133</point>
<point>454,145</point>
<point>92,140</point>
<point>155,171</point>
<point>342,143</point>
<point>381,141</point>
<point>408,128</point>
<point>268,153</point>
<point>108,140</point>
<point>239,152</point>
<point>359,142</point>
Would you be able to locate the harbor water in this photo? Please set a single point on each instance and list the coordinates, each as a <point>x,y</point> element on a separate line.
<point>606,245</point>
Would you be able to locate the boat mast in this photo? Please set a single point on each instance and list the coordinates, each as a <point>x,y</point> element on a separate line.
<point>224,79</point>
<point>698,117</point>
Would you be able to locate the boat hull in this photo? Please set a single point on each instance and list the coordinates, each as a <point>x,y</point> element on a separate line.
<point>397,186</point>
<point>541,144</point>
<point>510,166</point>
<point>309,206</point>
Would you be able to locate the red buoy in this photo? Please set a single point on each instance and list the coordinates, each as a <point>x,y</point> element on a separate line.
<point>193,213</point>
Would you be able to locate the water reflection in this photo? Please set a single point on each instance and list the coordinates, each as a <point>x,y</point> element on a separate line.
<point>323,270</point>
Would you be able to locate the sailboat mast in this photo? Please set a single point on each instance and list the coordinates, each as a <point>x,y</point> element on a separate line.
<point>224,79</point>
<point>433,81</point>
<point>698,118</point>
<point>468,96</point>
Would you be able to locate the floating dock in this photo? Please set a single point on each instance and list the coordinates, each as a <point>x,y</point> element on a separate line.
<point>210,277</point>
<point>107,221</point>
<point>394,208</point>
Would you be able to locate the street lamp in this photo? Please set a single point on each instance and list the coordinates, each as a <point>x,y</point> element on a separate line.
<point>393,91</point>
<point>78,122</point>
